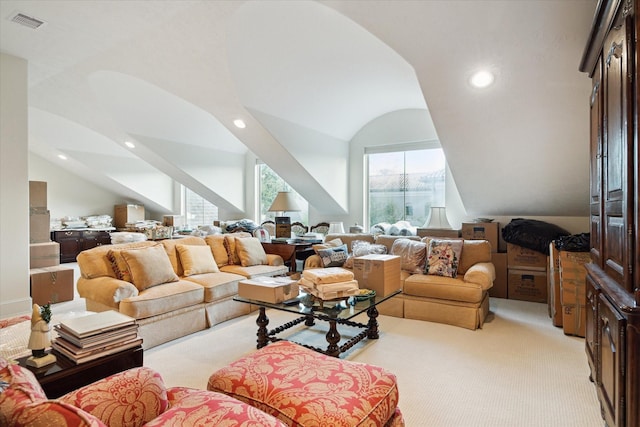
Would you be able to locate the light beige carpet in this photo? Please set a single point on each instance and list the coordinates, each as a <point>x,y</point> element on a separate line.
<point>519,370</point>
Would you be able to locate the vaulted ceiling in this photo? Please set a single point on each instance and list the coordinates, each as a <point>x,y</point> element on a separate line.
<point>306,77</point>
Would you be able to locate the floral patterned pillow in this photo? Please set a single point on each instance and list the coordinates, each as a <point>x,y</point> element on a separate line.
<point>443,257</point>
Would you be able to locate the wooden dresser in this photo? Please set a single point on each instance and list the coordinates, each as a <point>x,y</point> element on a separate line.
<point>613,278</point>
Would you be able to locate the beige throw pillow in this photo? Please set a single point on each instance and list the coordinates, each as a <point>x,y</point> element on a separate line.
<point>197,259</point>
<point>250,252</point>
<point>149,266</point>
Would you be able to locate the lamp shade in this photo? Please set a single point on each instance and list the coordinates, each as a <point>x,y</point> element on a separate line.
<point>336,227</point>
<point>438,219</point>
<point>284,202</point>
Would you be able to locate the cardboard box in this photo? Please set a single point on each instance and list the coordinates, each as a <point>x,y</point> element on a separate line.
<point>555,307</point>
<point>481,231</point>
<point>37,194</point>
<point>51,284</point>
<point>499,289</point>
<point>527,285</point>
<point>438,232</point>
<point>380,273</point>
<point>268,289</point>
<point>39,226</point>
<point>573,291</point>
<point>525,259</point>
<point>574,320</point>
<point>124,214</point>
<point>176,221</point>
<point>44,254</point>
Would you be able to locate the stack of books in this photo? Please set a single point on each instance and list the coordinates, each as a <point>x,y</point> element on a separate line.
<point>90,337</point>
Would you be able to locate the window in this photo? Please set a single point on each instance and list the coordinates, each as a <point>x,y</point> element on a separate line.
<point>403,185</point>
<point>269,185</point>
<point>198,211</point>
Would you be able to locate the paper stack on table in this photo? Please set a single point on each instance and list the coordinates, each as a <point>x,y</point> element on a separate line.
<point>329,283</point>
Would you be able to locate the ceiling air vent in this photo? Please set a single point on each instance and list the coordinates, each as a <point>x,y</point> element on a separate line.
<point>27,21</point>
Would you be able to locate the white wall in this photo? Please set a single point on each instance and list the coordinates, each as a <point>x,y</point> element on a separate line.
<point>69,194</point>
<point>14,188</point>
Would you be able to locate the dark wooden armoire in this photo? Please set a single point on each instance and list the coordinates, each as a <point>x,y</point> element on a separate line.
<point>613,278</point>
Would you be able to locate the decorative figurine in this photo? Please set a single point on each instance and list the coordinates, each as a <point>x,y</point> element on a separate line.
<point>40,337</point>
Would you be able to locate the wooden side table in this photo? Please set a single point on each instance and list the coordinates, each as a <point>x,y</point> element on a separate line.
<point>287,251</point>
<point>438,232</point>
<point>64,375</point>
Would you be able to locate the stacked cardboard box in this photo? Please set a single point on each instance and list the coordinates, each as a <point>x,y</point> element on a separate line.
<point>481,231</point>
<point>573,291</point>
<point>555,307</point>
<point>527,279</point>
<point>381,273</point>
<point>499,288</point>
<point>49,282</point>
<point>125,216</point>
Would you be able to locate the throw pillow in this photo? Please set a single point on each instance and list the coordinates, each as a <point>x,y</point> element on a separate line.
<point>230,246</point>
<point>334,257</point>
<point>118,265</point>
<point>326,245</point>
<point>250,252</point>
<point>443,257</point>
<point>197,259</point>
<point>412,253</point>
<point>149,267</point>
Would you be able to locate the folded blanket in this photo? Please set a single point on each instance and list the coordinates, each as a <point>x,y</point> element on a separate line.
<point>327,275</point>
<point>325,287</point>
<point>330,290</point>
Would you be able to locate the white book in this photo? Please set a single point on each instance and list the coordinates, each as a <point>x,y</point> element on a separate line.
<point>96,323</point>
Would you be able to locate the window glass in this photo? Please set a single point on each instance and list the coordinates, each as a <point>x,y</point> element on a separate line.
<point>269,186</point>
<point>198,211</point>
<point>403,185</point>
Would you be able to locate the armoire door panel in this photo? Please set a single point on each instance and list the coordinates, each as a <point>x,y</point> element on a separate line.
<point>611,336</point>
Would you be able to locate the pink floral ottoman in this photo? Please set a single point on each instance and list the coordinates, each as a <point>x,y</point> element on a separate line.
<point>304,388</point>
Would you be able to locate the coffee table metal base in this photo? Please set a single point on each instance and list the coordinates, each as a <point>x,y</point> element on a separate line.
<point>333,336</point>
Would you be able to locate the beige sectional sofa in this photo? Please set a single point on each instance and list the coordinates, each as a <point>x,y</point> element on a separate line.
<point>173,287</point>
<point>461,301</point>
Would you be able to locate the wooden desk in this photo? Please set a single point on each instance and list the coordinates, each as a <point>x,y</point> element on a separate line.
<point>287,251</point>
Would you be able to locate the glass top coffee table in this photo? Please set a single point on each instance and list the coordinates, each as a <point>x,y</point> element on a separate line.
<point>335,312</point>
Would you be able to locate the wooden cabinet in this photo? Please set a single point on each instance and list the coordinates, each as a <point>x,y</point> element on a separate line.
<point>612,341</point>
<point>72,242</point>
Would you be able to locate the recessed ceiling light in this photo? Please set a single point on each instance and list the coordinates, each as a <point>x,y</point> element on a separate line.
<point>239,123</point>
<point>482,79</point>
<point>62,157</point>
<point>130,144</point>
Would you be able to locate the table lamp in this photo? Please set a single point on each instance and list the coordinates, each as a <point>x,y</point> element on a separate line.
<point>437,219</point>
<point>284,202</point>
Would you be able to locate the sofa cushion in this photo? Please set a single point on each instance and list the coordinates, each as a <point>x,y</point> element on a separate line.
<point>196,259</point>
<point>443,257</point>
<point>413,255</point>
<point>256,270</point>
<point>217,286</point>
<point>443,288</point>
<point>250,252</point>
<point>191,407</point>
<point>473,252</point>
<point>149,266</point>
<point>333,257</point>
<point>132,397</point>
<point>162,299</point>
